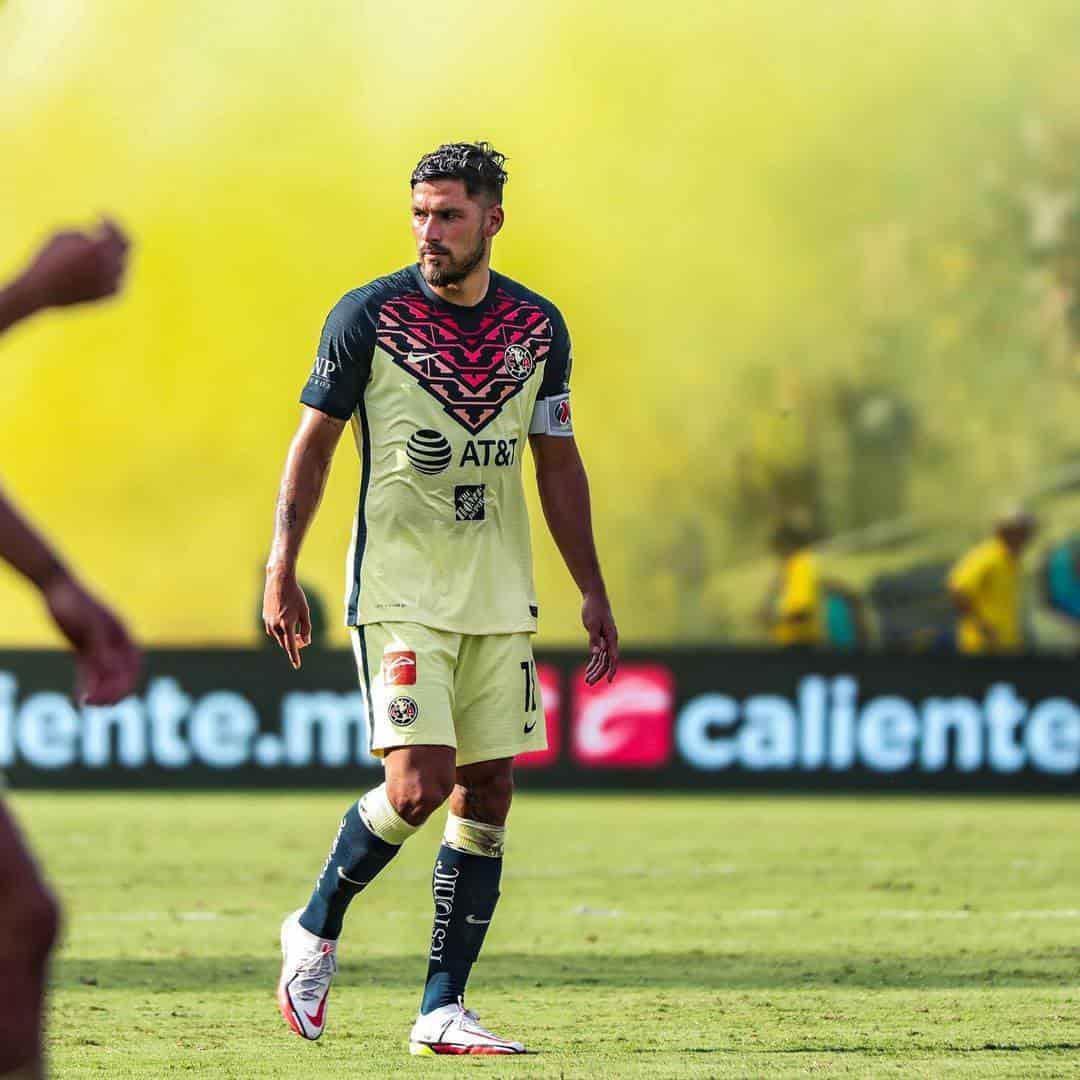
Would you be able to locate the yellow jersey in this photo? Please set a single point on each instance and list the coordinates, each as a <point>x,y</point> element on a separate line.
<point>989,577</point>
<point>799,593</point>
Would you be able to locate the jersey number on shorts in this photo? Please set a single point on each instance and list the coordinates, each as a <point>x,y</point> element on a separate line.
<point>528,667</point>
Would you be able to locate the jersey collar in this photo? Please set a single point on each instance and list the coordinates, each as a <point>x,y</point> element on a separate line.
<point>480,306</point>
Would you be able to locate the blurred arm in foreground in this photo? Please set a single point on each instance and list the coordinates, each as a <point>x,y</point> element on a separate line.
<point>71,268</point>
<point>286,617</point>
<point>564,496</point>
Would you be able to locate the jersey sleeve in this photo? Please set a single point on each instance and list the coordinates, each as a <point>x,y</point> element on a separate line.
<point>343,362</point>
<point>551,414</point>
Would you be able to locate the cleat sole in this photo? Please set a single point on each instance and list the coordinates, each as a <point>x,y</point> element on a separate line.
<point>420,1049</point>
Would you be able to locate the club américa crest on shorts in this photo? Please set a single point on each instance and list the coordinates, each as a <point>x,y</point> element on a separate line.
<point>402,711</point>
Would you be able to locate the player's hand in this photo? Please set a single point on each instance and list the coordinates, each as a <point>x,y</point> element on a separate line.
<point>285,613</point>
<point>76,267</point>
<point>603,637</point>
<point>106,658</point>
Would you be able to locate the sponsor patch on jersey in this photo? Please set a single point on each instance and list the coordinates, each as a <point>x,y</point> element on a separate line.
<point>469,502</point>
<point>399,668</point>
<point>322,372</point>
<point>560,413</point>
<point>429,452</point>
<point>402,711</point>
<point>518,362</point>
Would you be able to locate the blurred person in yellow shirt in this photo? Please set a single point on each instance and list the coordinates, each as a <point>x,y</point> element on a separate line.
<point>985,587</point>
<point>794,607</point>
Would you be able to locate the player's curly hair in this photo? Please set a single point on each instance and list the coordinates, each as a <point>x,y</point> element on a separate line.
<point>477,164</point>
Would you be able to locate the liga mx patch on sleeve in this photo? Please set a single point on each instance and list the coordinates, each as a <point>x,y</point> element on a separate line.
<point>552,417</point>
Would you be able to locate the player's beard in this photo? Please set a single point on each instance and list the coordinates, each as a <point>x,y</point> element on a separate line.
<point>454,271</point>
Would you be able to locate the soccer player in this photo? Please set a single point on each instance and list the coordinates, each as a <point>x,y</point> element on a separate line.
<point>443,368</point>
<point>985,587</point>
<point>72,268</point>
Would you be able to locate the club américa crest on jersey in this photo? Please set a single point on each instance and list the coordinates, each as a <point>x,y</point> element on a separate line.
<point>518,362</point>
<point>402,711</point>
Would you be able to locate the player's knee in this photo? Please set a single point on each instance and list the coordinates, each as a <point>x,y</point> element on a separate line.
<point>416,798</point>
<point>485,799</point>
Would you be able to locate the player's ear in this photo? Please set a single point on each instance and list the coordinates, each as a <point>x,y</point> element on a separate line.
<point>493,220</point>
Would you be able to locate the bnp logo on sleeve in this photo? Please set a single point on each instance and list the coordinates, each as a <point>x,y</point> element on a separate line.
<point>322,371</point>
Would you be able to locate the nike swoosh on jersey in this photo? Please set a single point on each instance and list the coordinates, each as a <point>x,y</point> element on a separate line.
<point>529,728</point>
<point>475,921</point>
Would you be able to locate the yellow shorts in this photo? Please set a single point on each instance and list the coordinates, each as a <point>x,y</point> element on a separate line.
<point>427,687</point>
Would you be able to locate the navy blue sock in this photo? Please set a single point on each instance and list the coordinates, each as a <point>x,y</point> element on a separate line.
<point>356,857</point>
<point>466,890</point>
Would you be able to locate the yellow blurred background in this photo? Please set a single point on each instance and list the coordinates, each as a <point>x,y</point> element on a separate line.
<point>735,206</point>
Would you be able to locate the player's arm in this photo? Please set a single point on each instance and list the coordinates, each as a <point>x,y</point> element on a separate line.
<point>964,584</point>
<point>71,268</point>
<point>285,608</point>
<point>966,608</point>
<point>564,496</point>
<point>106,658</point>
<point>796,608</point>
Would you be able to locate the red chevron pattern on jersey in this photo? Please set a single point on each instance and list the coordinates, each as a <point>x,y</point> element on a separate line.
<point>466,370</point>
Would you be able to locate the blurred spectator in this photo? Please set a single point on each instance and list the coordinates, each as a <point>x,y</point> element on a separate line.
<point>793,608</point>
<point>985,587</point>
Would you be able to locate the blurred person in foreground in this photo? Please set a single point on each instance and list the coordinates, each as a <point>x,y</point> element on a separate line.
<point>985,587</point>
<point>793,609</point>
<point>72,268</point>
<point>444,368</point>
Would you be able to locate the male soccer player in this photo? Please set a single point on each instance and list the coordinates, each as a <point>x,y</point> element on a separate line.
<point>443,368</point>
<point>72,268</point>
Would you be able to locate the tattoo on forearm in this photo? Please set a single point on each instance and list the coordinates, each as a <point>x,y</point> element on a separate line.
<point>286,513</point>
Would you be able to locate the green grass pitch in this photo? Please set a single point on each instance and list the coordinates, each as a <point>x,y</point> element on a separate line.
<point>637,936</point>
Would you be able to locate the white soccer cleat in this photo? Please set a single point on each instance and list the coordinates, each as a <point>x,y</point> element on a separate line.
<point>453,1029</point>
<point>308,967</point>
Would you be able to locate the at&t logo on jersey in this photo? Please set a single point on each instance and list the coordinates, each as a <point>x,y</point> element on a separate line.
<point>518,362</point>
<point>399,668</point>
<point>429,452</point>
<point>402,711</point>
